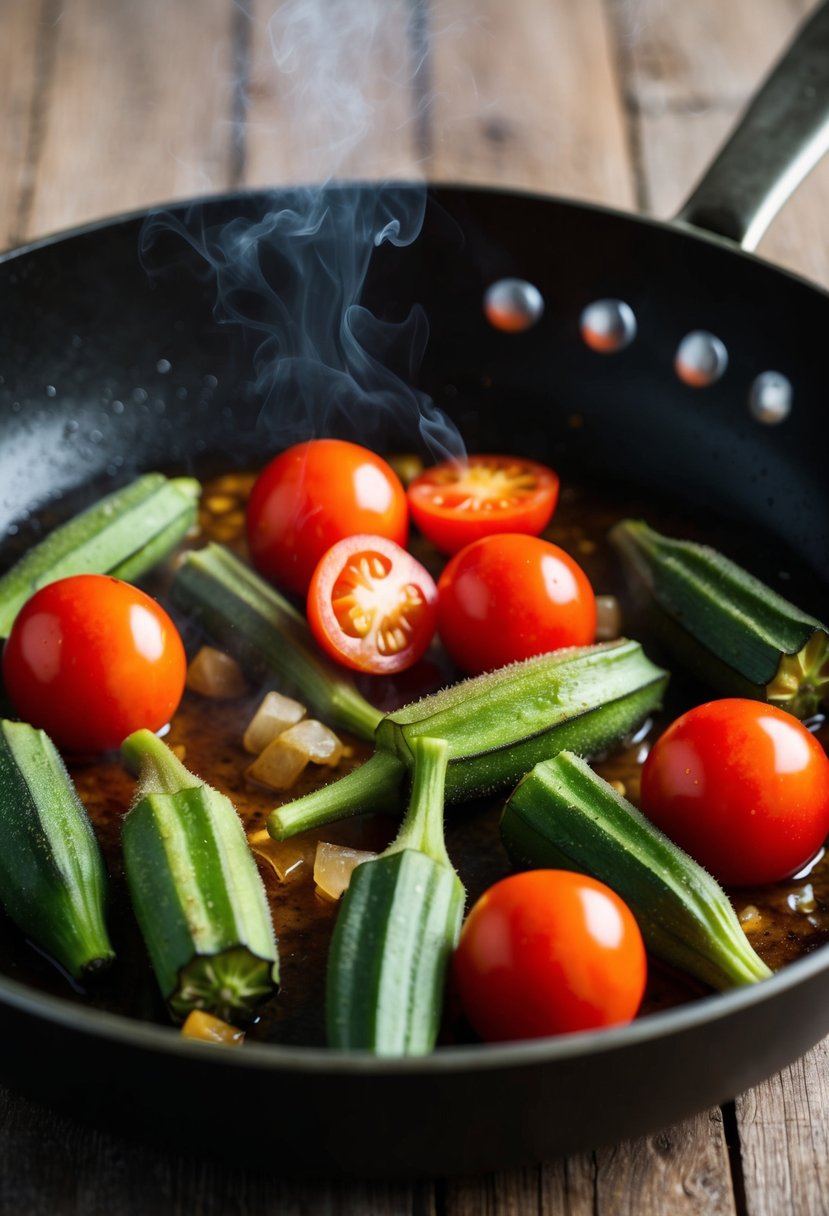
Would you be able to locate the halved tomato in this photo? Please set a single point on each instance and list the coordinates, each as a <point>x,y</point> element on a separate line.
<point>458,501</point>
<point>371,605</point>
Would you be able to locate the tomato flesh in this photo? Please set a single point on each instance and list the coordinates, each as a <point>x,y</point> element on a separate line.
<point>548,952</point>
<point>508,597</point>
<point>314,494</point>
<point>371,605</point>
<point>90,659</point>
<point>459,501</point>
<point>741,786</point>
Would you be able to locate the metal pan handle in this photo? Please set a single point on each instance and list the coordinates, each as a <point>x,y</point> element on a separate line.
<point>781,136</point>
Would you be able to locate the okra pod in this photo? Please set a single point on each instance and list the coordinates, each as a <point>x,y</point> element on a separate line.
<point>563,815</point>
<point>497,726</point>
<point>727,626</point>
<point>396,930</point>
<point>52,876</point>
<point>123,534</point>
<point>197,895</point>
<point>266,633</point>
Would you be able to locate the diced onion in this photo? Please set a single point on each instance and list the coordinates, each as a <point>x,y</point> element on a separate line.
<point>274,715</point>
<point>333,866</point>
<point>279,766</point>
<point>317,740</point>
<point>212,673</point>
<point>608,618</point>
<point>291,859</point>
<point>210,1029</point>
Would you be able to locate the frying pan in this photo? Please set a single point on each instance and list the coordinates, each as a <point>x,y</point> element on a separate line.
<point>114,360</point>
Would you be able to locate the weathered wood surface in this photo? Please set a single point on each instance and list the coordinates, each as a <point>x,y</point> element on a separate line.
<point>112,106</point>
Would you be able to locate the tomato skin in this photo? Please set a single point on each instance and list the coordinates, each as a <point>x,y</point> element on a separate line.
<point>371,605</point>
<point>741,786</point>
<point>90,659</point>
<point>548,952</point>
<point>311,496</point>
<point>459,501</point>
<point>508,597</point>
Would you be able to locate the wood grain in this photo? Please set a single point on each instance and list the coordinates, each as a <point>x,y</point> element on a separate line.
<point>137,108</point>
<point>684,1170</point>
<point>21,68</point>
<point>527,95</point>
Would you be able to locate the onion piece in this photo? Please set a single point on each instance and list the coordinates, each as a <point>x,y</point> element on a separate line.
<point>608,618</point>
<point>212,673</point>
<point>317,739</point>
<point>290,859</point>
<point>274,715</point>
<point>283,761</point>
<point>210,1029</point>
<point>333,866</point>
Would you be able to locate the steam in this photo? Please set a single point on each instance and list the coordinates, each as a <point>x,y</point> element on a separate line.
<point>293,276</point>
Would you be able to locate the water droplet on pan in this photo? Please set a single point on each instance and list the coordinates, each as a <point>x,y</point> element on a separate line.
<point>701,359</point>
<point>770,398</point>
<point>608,326</point>
<point>513,305</point>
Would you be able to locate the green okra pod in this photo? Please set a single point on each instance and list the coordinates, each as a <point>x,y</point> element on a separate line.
<point>497,727</point>
<point>396,930</point>
<point>197,894</point>
<point>727,626</point>
<point>564,815</point>
<point>124,534</point>
<point>52,876</point>
<point>250,618</point>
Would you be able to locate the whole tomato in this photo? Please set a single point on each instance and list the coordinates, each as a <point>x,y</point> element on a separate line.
<point>508,597</point>
<point>311,496</point>
<point>741,786</point>
<point>548,952</point>
<point>90,659</point>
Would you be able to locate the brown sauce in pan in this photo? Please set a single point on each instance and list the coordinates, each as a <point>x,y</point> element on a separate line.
<point>782,921</point>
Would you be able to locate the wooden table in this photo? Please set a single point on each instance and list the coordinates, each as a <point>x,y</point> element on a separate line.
<point>110,105</point>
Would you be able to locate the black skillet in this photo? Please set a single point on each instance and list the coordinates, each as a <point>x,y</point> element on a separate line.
<point>112,362</point>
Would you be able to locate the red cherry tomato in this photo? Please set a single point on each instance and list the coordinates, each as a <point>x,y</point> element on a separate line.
<point>547,952</point>
<point>371,605</point>
<point>509,597</point>
<point>311,496</point>
<point>90,659</point>
<point>459,501</point>
<point>741,786</point>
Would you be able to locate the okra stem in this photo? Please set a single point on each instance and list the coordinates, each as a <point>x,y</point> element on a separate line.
<point>563,814</point>
<point>422,826</point>
<point>497,727</point>
<point>248,616</point>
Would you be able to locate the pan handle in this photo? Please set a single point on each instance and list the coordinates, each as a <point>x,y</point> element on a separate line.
<point>781,136</point>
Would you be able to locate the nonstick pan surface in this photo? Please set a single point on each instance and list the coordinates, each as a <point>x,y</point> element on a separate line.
<point>113,362</point>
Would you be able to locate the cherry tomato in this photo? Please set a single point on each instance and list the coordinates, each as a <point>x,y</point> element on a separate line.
<point>90,659</point>
<point>311,496</point>
<point>508,597</point>
<point>371,605</point>
<point>548,952</point>
<point>741,786</point>
<point>459,501</point>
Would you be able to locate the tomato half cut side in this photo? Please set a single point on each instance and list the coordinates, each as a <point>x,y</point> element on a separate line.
<point>459,501</point>
<point>371,605</point>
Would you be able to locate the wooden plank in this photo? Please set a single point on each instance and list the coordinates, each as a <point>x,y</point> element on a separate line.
<point>331,91</point>
<point>21,47</point>
<point>526,95</point>
<point>689,70</point>
<point>138,108</point>
<point>784,1139</point>
<point>683,1170</point>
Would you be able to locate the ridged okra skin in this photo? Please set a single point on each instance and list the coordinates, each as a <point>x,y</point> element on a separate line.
<point>52,876</point>
<point>725,625</point>
<point>195,889</point>
<point>124,534</point>
<point>396,929</point>
<point>497,726</point>
<point>563,815</point>
<point>266,633</point>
